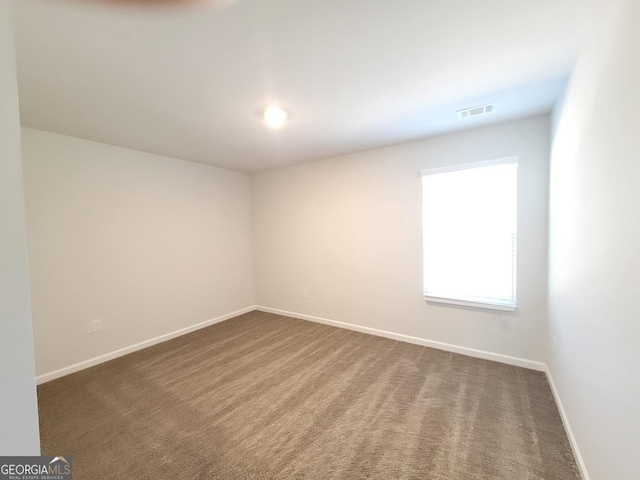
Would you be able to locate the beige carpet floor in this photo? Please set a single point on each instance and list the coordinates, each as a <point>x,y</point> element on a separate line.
<point>263,396</point>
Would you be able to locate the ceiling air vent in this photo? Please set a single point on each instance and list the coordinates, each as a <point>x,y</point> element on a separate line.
<point>475,111</point>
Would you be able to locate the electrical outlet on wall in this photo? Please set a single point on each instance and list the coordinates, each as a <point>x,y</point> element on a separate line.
<point>304,293</point>
<point>94,326</point>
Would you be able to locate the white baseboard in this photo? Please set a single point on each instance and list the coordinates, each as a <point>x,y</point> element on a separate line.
<point>138,346</point>
<point>567,427</point>
<point>472,352</point>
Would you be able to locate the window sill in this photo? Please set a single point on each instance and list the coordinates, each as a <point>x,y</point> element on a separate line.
<point>465,303</point>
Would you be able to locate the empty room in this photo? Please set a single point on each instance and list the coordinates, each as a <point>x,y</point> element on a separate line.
<point>320,239</point>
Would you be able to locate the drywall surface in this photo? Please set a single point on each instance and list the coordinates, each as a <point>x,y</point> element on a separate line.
<point>594,286</point>
<point>348,231</point>
<point>18,407</point>
<point>146,244</point>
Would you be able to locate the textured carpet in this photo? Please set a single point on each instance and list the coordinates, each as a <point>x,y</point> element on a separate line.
<point>269,397</point>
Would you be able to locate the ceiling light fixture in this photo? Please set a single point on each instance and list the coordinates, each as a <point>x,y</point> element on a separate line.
<point>275,117</point>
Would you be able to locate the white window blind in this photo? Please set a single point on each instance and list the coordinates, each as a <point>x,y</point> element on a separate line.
<point>469,234</point>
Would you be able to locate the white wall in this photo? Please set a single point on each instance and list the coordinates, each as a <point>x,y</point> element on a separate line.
<point>147,244</point>
<point>18,408</point>
<point>349,230</point>
<point>594,287</point>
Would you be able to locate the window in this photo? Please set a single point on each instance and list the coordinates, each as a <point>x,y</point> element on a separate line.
<point>469,234</point>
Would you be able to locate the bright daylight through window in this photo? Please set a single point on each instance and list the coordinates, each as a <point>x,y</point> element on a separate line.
<point>469,234</point>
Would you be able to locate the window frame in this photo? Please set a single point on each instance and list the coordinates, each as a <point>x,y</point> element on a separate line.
<point>515,160</point>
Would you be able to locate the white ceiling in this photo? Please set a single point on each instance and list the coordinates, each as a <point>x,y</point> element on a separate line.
<point>188,81</point>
